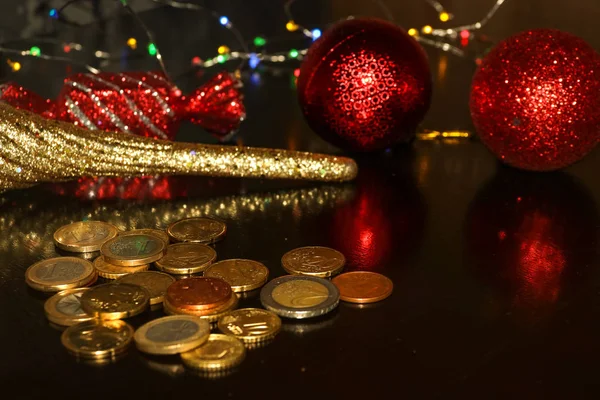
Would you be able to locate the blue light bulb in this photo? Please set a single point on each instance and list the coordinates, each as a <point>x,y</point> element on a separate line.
<point>224,20</point>
<point>316,33</point>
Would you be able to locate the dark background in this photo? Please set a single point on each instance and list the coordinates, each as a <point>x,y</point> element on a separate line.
<point>496,272</point>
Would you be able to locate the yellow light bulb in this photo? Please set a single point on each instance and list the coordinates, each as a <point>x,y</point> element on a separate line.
<point>291,26</point>
<point>132,43</point>
<point>223,50</point>
<point>413,32</point>
<point>16,66</point>
<point>427,29</point>
<point>444,16</point>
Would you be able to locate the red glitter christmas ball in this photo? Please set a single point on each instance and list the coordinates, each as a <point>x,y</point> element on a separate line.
<point>365,84</point>
<point>535,100</point>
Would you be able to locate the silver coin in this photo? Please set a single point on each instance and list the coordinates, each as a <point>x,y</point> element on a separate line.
<point>300,297</point>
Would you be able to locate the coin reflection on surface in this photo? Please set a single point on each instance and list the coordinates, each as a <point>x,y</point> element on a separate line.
<point>169,365</point>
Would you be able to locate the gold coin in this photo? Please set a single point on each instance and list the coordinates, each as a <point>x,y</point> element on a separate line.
<point>219,353</point>
<point>186,258</point>
<point>64,308</point>
<point>110,271</point>
<point>300,294</point>
<point>133,250</point>
<point>250,325</point>
<point>172,335</point>
<point>155,282</point>
<point>198,230</point>
<point>243,275</point>
<point>321,262</point>
<point>115,300</point>
<point>60,273</point>
<point>147,231</point>
<point>97,339</point>
<point>85,236</point>
<point>211,317</point>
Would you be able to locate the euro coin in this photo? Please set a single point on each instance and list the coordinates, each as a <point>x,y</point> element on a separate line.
<point>60,273</point>
<point>242,275</point>
<point>321,262</point>
<point>186,258</point>
<point>198,230</point>
<point>172,335</point>
<point>85,236</point>
<point>115,300</point>
<point>133,250</point>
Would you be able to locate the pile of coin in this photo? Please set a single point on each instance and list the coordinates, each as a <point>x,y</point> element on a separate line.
<point>197,293</point>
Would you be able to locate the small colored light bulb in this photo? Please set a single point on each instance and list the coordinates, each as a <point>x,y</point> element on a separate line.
<point>444,16</point>
<point>16,66</point>
<point>297,72</point>
<point>223,50</point>
<point>35,51</point>
<point>413,32</point>
<point>259,41</point>
<point>66,48</point>
<point>427,29</point>
<point>132,43</point>
<point>221,59</point>
<point>224,20</point>
<point>465,34</point>
<point>53,13</point>
<point>293,53</point>
<point>316,33</point>
<point>291,26</point>
<point>152,49</point>
<point>253,61</point>
<point>196,61</point>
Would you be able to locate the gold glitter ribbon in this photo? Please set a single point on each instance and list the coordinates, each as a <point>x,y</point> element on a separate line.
<point>35,150</point>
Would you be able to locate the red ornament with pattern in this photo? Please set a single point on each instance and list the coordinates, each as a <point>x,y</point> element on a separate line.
<point>365,84</point>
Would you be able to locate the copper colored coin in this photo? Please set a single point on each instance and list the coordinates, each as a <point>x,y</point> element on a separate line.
<point>363,287</point>
<point>198,293</point>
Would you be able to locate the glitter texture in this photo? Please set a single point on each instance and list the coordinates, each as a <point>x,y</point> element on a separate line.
<point>535,101</point>
<point>364,85</point>
<point>35,150</point>
<point>143,103</point>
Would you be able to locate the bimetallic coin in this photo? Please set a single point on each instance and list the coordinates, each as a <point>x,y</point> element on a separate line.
<point>115,300</point>
<point>219,353</point>
<point>198,230</point>
<point>321,262</point>
<point>133,250</point>
<point>110,271</point>
<point>146,231</point>
<point>363,287</point>
<point>85,236</point>
<point>186,258</point>
<point>295,296</point>
<point>242,275</point>
<point>97,339</point>
<point>198,293</point>
<point>64,308</point>
<point>250,325</point>
<point>172,335</point>
<point>60,273</point>
<point>155,282</point>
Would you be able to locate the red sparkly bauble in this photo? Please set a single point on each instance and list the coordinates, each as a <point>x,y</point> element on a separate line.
<point>364,85</point>
<point>535,100</point>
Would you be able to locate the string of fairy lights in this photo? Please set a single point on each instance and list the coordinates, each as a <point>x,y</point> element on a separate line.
<point>252,53</point>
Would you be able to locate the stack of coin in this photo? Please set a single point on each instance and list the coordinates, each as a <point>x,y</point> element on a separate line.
<point>197,230</point>
<point>207,298</point>
<point>242,275</point>
<point>317,261</point>
<point>97,339</point>
<point>60,273</point>
<point>172,335</point>
<point>115,301</point>
<point>186,258</point>
<point>94,315</point>
<point>253,326</point>
<point>85,236</point>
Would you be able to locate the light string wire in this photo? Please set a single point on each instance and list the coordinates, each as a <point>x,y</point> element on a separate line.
<point>426,37</point>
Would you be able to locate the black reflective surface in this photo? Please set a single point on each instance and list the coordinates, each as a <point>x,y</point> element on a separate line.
<point>496,272</point>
